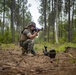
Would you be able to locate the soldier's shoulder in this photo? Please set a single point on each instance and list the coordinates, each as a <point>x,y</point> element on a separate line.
<point>26,31</point>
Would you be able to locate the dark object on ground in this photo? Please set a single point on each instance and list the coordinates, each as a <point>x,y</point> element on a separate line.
<point>51,53</point>
<point>68,48</point>
<point>45,51</point>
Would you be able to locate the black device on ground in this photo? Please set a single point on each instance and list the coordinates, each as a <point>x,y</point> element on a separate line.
<point>45,51</point>
<point>51,53</point>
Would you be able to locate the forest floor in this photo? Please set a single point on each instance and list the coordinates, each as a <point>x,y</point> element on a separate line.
<point>13,63</point>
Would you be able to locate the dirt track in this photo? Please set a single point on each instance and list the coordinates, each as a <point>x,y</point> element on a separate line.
<point>12,63</point>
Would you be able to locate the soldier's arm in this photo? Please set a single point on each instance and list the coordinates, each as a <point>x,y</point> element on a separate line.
<point>31,36</point>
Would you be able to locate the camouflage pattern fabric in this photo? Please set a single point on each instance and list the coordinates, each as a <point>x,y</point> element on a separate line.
<point>27,46</point>
<point>25,42</point>
<point>31,23</point>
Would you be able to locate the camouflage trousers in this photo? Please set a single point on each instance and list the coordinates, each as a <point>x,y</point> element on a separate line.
<point>27,46</point>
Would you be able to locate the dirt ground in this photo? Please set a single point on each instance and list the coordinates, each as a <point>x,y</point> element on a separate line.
<point>13,63</point>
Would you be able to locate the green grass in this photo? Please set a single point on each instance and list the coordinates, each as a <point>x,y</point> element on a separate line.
<point>57,47</point>
<point>73,61</point>
<point>5,46</point>
<point>40,46</point>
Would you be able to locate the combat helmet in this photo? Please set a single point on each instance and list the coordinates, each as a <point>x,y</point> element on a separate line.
<point>31,23</point>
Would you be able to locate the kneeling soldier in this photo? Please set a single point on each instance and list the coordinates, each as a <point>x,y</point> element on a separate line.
<point>27,37</point>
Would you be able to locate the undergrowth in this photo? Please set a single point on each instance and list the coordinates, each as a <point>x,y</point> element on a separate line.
<point>40,46</point>
<point>57,47</point>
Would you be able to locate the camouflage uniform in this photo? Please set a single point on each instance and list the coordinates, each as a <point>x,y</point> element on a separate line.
<point>26,43</point>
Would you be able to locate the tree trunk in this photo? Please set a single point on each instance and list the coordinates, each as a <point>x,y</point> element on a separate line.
<point>56,29</point>
<point>69,26</point>
<point>17,13</point>
<point>23,14</point>
<point>53,24</point>
<point>12,21</point>
<point>49,22</point>
<point>3,19</point>
<point>72,23</point>
<point>45,20</point>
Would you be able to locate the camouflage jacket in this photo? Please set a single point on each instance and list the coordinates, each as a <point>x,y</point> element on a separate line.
<point>25,34</point>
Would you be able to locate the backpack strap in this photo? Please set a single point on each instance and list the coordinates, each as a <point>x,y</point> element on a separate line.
<point>23,30</point>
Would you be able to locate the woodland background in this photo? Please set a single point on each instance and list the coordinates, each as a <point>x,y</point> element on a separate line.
<point>58,19</point>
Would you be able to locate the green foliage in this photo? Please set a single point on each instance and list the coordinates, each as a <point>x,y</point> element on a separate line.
<point>57,47</point>
<point>39,37</point>
<point>6,38</point>
<point>16,37</point>
<point>6,46</point>
<point>1,39</point>
<point>40,45</point>
<point>73,60</point>
<point>74,35</point>
<point>62,40</point>
<point>21,9</point>
<point>61,47</point>
<point>75,11</point>
<point>36,48</point>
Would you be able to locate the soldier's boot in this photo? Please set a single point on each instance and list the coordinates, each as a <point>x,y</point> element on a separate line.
<point>33,52</point>
<point>24,51</point>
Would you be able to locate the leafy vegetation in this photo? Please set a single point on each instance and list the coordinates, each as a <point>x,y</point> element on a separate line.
<point>57,47</point>
<point>40,46</point>
<point>16,15</point>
